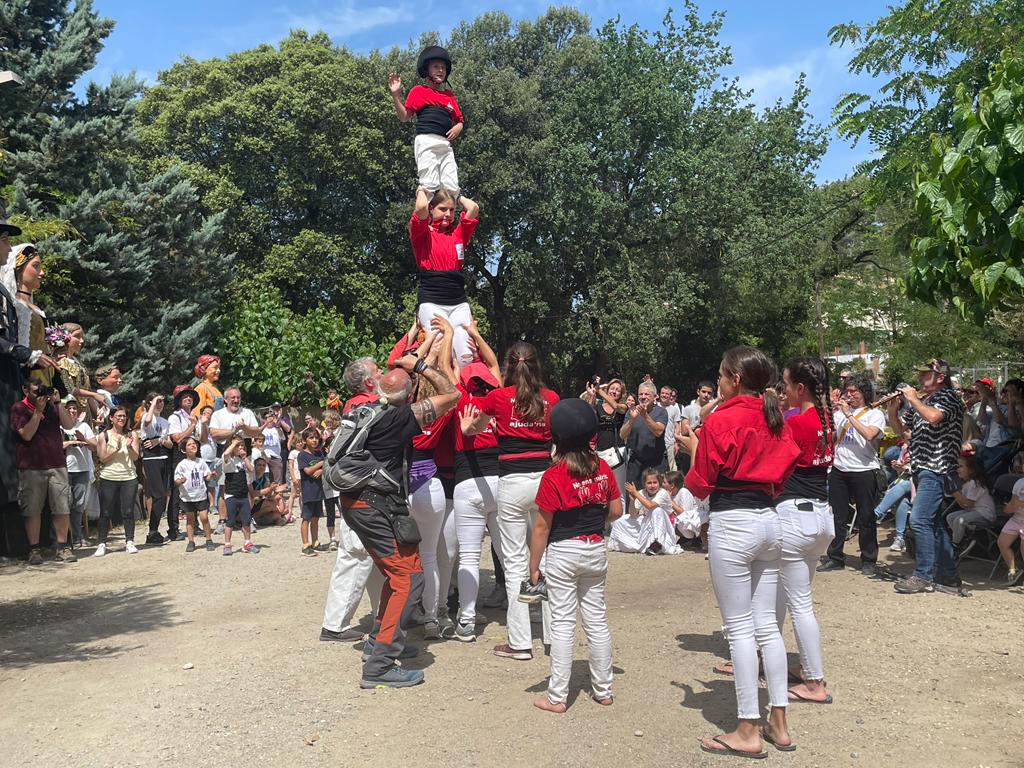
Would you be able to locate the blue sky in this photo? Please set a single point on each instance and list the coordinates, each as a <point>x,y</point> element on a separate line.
<point>772,43</point>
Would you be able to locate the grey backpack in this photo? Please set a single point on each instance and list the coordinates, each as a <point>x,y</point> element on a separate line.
<point>350,468</point>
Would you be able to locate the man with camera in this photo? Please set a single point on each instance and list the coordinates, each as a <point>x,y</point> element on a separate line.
<point>644,433</point>
<point>42,472</point>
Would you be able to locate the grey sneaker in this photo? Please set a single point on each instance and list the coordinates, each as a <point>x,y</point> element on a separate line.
<point>533,593</point>
<point>432,629</point>
<point>342,636</point>
<point>465,633</point>
<point>396,677</point>
<point>35,557</point>
<point>445,624</point>
<point>219,530</point>
<point>913,585</point>
<point>898,545</point>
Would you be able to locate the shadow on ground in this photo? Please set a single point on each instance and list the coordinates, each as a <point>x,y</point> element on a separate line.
<point>73,627</point>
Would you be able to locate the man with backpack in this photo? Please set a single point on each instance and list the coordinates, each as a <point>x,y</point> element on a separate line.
<point>367,463</point>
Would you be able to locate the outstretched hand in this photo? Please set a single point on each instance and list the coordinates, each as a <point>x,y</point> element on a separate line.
<point>394,83</point>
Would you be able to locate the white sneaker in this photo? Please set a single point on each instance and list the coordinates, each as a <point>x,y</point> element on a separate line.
<point>101,550</point>
<point>130,548</point>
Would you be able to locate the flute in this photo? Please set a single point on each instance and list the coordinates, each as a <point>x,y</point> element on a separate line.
<point>886,399</point>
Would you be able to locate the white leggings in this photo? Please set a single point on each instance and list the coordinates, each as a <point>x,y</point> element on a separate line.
<point>459,315</point>
<point>575,573</point>
<point>435,163</point>
<point>744,549</point>
<point>476,510</point>
<point>517,511</point>
<point>427,506</point>
<point>806,534</point>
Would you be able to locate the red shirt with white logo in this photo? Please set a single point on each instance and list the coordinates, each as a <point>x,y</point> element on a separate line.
<point>475,455</point>
<point>579,505</point>
<point>525,446</point>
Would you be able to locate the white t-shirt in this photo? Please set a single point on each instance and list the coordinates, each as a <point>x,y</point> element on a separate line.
<point>692,414</point>
<point>225,419</point>
<point>194,471</point>
<point>984,504</point>
<point>661,498</point>
<point>79,458</point>
<point>853,453</point>
<point>675,414</point>
<point>272,441</point>
<point>179,422</point>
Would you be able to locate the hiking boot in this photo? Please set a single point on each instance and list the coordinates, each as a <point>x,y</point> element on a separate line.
<point>35,556</point>
<point>533,593</point>
<point>344,636</point>
<point>465,633</point>
<point>66,555</point>
<point>506,651</point>
<point>396,677</point>
<point>913,585</point>
<point>898,545</point>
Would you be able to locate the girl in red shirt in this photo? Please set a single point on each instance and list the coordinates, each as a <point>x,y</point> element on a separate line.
<point>744,456</point>
<point>521,411</point>
<point>439,245</point>
<point>577,497</point>
<point>807,522</point>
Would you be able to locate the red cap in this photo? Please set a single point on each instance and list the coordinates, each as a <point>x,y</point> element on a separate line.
<point>987,382</point>
<point>478,371</point>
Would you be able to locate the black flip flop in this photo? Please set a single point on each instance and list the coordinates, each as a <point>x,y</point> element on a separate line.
<point>730,752</point>
<point>796,698</point>
<point>767,736</point>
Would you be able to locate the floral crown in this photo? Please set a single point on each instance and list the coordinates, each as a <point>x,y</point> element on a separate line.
<point>57,336</point>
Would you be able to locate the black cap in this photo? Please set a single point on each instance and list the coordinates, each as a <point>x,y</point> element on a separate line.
<point>573,422</point>
<point>429,54</point>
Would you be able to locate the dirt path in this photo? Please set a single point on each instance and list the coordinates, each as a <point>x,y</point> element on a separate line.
<point>91,659</point>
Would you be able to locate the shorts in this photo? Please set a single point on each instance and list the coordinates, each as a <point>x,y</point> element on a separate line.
<point>239,512</point>
<point>312,509</point>
<point>1015,525</point>
<point>36,486</point>
<point>191,507</point>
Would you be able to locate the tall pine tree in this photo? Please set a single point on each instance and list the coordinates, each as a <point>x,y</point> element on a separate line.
<point>132,258</point>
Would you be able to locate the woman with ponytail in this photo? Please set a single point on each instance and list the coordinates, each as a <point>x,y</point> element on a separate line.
<point>744,456</point>
<point>807,523</point>
<point>521,412</point>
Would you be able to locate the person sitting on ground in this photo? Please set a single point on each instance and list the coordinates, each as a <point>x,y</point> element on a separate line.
<point>266,497</point>
<point>191,476</point>
<point>638,531</point>
<point>691,514</point>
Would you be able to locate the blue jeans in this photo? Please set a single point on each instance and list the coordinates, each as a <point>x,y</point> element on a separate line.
<point>931,536</point>
<point>891,454</point>
<point>897,496</point>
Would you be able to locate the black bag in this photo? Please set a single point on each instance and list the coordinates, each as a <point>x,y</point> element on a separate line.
<point>405,528</point>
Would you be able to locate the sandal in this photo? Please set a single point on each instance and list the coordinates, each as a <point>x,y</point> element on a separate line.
<point>730,752</point>
<point>725,668</point>
<point>797,698</point>
<point>767,736</point>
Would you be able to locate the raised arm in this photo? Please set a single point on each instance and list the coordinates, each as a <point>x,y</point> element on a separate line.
<point>422,209</point>
<point>471,208</point>
<point>444,358</point>
<point>432,408</point>
<point>487,356</point>
<point>395,86</point>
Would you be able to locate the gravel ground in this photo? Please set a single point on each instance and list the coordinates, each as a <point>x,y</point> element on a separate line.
<point>168,658</point>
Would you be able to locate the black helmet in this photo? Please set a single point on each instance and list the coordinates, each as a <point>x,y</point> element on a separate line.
<point>573,423</point>
<point>430,53</point>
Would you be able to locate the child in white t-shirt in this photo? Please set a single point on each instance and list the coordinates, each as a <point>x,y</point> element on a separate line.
<point>1013,531</point>
<point>976,503</point>
<point>191,476</point>
<point>647,528</point>
<point>691,514</point>
<point>294,476</point>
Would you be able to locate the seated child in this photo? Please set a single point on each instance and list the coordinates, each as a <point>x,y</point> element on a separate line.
<point>976,503</point>
<point>1013,532</point>
<point>691,514</point>
<point>267,499</point>
<point>647,528</point>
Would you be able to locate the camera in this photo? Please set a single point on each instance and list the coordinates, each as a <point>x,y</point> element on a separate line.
<point>44,390</point>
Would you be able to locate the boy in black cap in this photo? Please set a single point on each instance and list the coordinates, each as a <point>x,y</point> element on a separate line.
<point>438,120</point>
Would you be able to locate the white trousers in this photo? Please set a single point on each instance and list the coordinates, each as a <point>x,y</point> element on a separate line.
<point>516,514</point>
<point>435,163</point>
<point>745,548</point>
<point>353,574</point>
<point>427,506</point>
<point>476,510</point>
<point>447,556</point>
<point>575,573</point>
<point>656,526</point>
<point>460,316</point>
<point>808,526</point>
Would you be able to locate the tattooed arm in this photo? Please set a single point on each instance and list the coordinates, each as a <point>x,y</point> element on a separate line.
<point>429,410</point>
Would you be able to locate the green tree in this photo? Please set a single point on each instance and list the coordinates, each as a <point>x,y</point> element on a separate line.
<point>971,194</point>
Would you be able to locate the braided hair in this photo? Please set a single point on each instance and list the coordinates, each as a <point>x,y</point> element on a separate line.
<point>813,374</point>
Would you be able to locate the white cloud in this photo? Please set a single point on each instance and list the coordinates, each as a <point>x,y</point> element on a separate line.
<point>827,78</point>
<point>346,19</point>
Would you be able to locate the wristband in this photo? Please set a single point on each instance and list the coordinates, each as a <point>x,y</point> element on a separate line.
<point>420,367</point>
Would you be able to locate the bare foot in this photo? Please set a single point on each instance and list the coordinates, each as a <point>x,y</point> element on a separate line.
<point>549,706</point>
<point>810,691</point>
<point>725,668</point>
<point>606,702</point>
<point>732,741</point>
<point>782,741</point>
